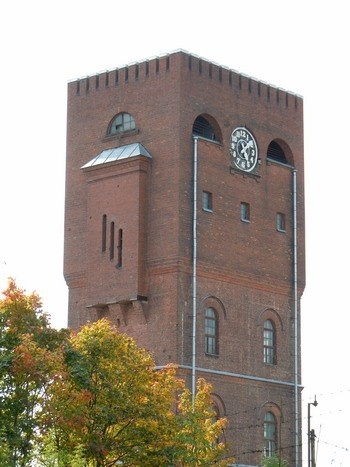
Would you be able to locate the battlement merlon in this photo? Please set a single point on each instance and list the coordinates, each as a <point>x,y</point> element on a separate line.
<point>156,66</point>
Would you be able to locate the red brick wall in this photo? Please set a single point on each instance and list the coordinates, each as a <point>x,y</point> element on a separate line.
<point>245,268</point>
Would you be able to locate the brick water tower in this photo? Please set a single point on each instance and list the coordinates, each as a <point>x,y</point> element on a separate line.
<point>184,225</point>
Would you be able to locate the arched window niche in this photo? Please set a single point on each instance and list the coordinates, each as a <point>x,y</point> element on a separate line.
<point>211,330</point>
<point>269,342</point>
<point>121,123</point>
<point>270,416</point>
<point>271,328</point>
<point>213,313</point>
<point>279,151</point>
<point>205,126</point>
<point>270,435</point>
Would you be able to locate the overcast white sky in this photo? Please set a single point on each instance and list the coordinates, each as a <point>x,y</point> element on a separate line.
<point>301,46</point>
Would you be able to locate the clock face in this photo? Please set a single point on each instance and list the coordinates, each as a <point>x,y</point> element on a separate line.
<point>244,150</point>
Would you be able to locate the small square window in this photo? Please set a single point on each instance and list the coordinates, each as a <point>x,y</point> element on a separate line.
<point>207,201</point>
<point>245,212</point>
<point>281,222</point>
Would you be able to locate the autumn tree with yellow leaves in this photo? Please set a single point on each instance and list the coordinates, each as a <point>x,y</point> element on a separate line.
<point>30,354</point>
<point>93,398</point>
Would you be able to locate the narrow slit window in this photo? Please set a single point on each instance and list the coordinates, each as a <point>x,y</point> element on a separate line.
<point>207,201</point>
<point>120,248</point>
<point>104,233</point>
<point>211,332</point>
<point>269,343</point>
<point>245,212</point>
<point>111,240</point>
<point>270,441</point>
<point>281,222</point>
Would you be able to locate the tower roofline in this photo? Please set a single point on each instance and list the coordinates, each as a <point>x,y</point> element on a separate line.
<point>167,55</point>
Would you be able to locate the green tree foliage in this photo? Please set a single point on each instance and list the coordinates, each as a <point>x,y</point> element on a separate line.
<point>93,398</point>
<point>274,462</point>
<point>198,432</point>
<point>28,360</point>
<point>113,405</point>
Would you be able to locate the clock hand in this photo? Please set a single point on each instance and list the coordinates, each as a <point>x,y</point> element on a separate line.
<point>245,148</point>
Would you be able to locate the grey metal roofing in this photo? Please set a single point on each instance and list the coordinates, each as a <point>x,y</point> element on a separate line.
<point>116,154</point>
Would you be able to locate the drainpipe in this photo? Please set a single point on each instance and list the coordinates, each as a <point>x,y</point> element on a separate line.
<point>194,277</point>
<point>296,323</point>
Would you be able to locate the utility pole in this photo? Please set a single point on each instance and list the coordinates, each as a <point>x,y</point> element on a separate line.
<point>312,448</point>
<point>310,437</point>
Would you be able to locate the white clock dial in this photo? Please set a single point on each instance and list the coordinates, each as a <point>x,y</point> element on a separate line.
<point>244,150</point>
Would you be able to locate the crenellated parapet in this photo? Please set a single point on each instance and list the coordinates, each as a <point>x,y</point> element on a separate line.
<point>165,64</point>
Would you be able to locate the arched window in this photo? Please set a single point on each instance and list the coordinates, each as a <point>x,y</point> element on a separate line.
<point>121,123</point>
<point>269,343</point>
<point>270,440</point>
<point>276,153</point>
<point>206,128</point>
<point>211,332</point>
